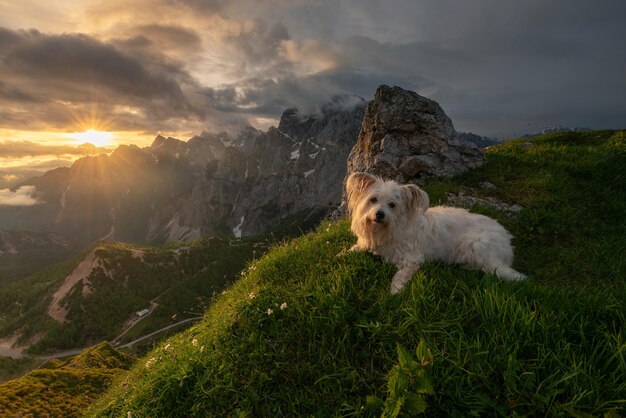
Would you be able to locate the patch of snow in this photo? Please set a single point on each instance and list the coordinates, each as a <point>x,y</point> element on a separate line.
<point>314,154</point>
<point>295,154</point>
<point>237,229</point>
<point>308,173</point>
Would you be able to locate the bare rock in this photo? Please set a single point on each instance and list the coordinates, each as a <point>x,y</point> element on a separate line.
<point>408,138</point>
<point>467,201</point>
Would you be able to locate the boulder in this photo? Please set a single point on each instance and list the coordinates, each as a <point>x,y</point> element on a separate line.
<point>408,138</point>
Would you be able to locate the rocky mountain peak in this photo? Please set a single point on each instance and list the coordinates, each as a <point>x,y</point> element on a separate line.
<point>408,137</point>
<point>333,117</point>
<point>164,144</point>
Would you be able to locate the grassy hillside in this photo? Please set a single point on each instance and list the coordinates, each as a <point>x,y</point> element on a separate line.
<point>11,368</point>
<point>23,253</point>
<point>305,332</point>
<point>63,388</point>
<point>177,280</point>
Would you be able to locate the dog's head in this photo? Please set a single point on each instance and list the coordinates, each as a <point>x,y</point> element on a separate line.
<point>379,205</point>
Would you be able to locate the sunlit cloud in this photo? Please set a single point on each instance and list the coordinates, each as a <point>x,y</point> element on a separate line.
<point>18,149</point>
<point>93,137</point>
<point>23,196</point>
<point>186,66</point>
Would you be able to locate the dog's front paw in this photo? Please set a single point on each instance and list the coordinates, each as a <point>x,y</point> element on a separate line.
<point>355,247</point>
<point>402,277</point>
<point>345,251</point>
<point>396,288</point>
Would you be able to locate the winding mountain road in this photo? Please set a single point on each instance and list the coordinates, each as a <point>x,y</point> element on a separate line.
<point>8,352</point>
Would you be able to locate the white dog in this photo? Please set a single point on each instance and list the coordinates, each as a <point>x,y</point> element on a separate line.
<point>394,221</point>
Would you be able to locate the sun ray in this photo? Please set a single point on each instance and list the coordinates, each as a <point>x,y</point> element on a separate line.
<point>91,136</point>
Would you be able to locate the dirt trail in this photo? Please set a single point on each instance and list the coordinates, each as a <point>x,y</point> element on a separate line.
<point>80,273</point>
<point>7,348</point>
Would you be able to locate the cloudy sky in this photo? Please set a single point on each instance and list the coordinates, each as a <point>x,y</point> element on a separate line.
<point>177,67</point>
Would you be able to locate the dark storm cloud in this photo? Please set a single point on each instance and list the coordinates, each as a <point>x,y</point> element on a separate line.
<point>79,59</point>
<point>260,49</point>
<point>497,68</point>
<point>43,73</point>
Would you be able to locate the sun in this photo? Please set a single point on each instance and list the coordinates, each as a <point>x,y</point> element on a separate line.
<point>97,138</point>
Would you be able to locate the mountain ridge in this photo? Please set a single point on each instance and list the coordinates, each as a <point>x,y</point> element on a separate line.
<point>156,193</point>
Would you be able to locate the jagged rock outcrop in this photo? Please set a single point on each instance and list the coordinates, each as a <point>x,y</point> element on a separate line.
<point>295,170</point>
<point>408,138</point>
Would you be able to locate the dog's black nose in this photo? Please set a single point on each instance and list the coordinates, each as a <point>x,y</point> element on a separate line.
<point>380,215</point>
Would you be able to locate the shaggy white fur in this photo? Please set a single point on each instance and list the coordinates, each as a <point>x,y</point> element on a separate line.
<point>394,221</point>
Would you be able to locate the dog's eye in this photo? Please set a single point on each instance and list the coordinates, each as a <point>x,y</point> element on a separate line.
<point>373,200</point>
<point>392,205</point>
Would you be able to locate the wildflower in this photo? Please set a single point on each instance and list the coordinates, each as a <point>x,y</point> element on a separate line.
<point>150,362</point>
<point>270,311</point>
<point>194,342</point>
<point>252,295</point>
<point>202,349</point>
<point>283,306</point>
<point>129,415</point>
<point>167,347</point>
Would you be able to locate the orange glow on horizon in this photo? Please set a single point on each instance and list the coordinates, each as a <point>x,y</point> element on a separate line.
<point>91,136</point>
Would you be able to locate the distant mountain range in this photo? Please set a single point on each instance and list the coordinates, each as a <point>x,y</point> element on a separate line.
<point>479,141</point>
<point>555,129</point>
<point>210,184</point>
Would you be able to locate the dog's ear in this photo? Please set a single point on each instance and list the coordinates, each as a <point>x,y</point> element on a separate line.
<point>414,197</point>
<point>356,185</point>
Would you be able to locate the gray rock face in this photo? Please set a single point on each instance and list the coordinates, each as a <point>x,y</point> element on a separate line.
<point>264,178</point>
<point>210,184</point>
<point>408,138</point>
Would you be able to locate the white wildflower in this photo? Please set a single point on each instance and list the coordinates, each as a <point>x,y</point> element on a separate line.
<point>150,362</point>
<point>194,342</point>
<point>252,295</point>
<point>202,349</point>
<point>167,347</point>
<point>283,306</point>
<point>270,311</point>
<point>129,415</point>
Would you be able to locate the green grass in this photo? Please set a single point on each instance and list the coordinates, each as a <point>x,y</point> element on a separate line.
<point>181,278</point>
<point>10,368</point>
<point>16,266</point>
<point>63,388</point>
<point>552,345</point>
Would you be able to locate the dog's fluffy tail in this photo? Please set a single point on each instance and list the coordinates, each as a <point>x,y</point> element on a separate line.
<point>508,273</point>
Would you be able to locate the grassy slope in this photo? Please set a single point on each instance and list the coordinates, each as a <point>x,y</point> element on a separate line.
<point>179,281</point>
<point>181,278</point>
<point>11,368</point>
<point>553,344</point>
<point>26,262</point>
<point>63,388</point>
